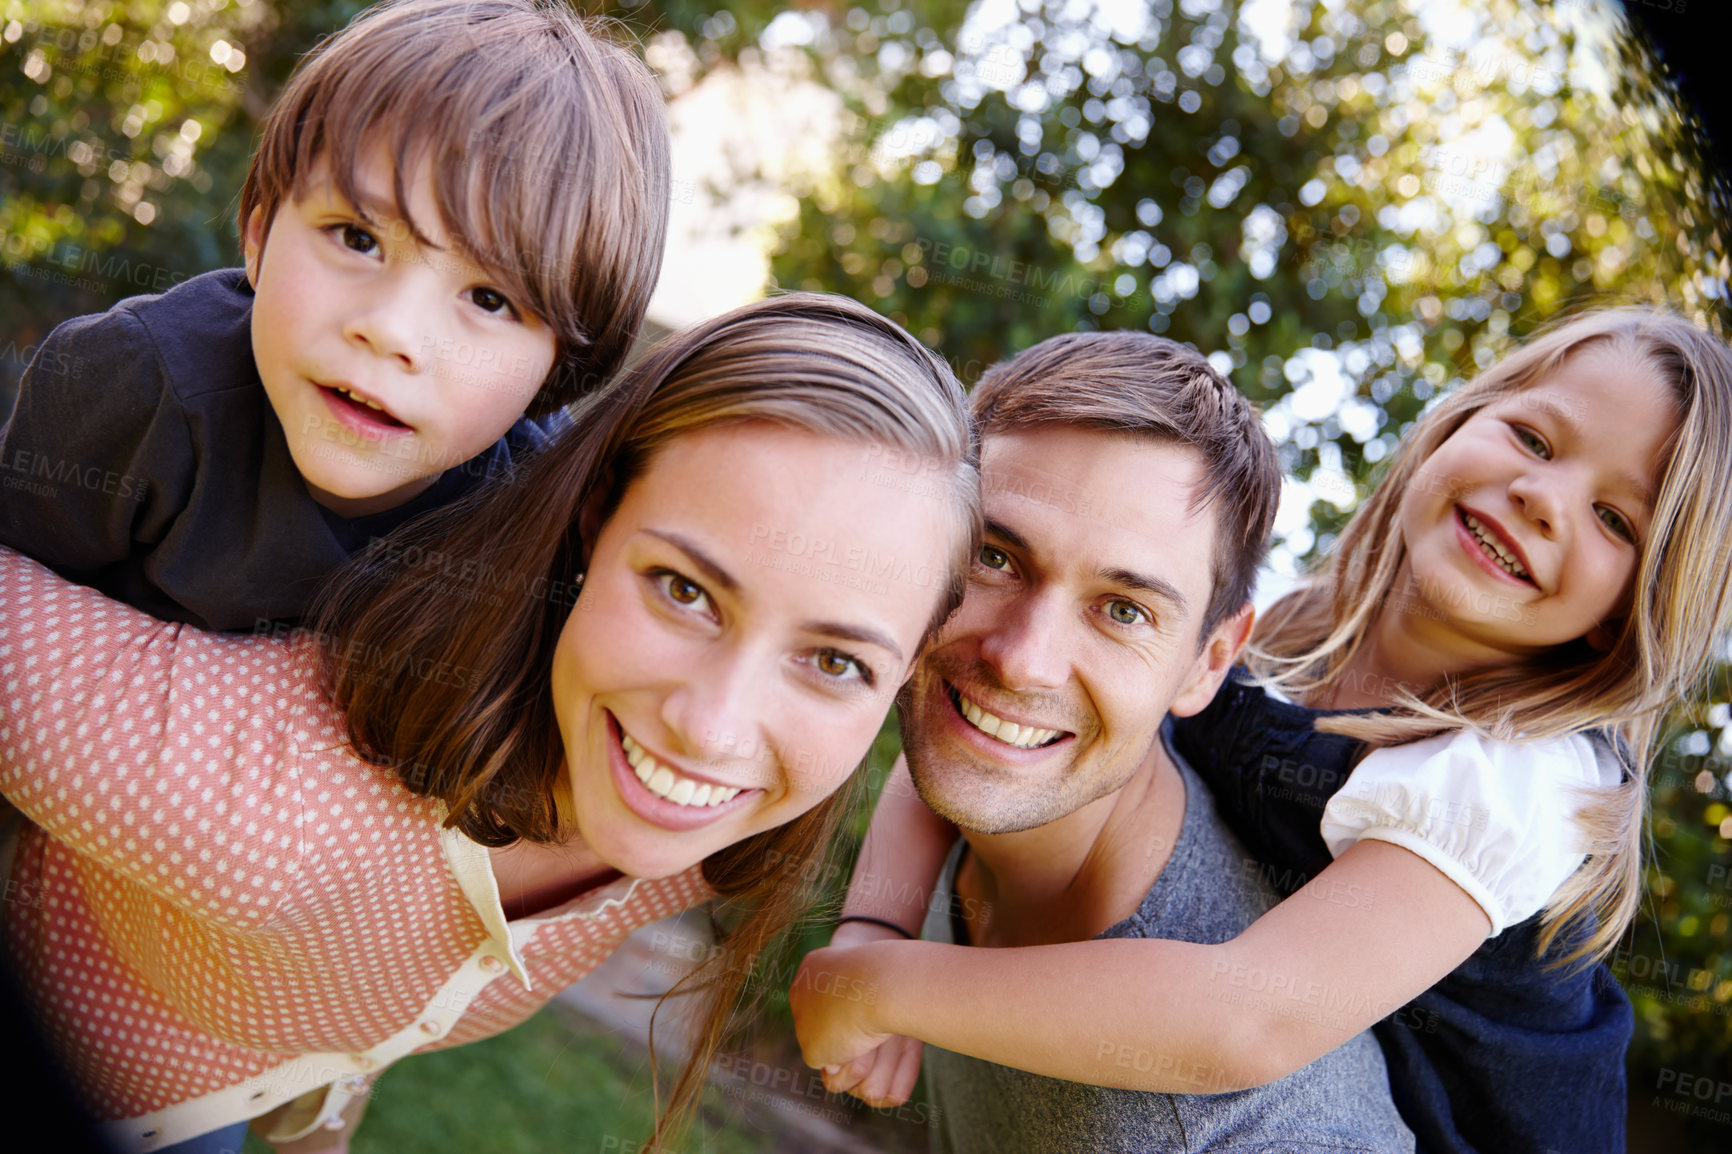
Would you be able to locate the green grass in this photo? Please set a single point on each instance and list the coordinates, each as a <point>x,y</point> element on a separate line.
<point>538,1088</point>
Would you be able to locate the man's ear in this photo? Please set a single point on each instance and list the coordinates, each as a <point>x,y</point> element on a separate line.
<point>1220,649</point>
<point>253,244</point>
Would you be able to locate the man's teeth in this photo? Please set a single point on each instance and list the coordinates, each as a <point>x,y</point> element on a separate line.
<point>664,782</point>
<point>1492,547</point>
<point>1009,732</point>
<point>360,400</point>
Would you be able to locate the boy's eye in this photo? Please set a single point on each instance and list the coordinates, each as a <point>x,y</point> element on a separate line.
<point>1533,442</point>
<point>839,665</point>
<point>1126,612</point>
<point>357,239</point>
<point>1616,522</point>
<point>489,300</point>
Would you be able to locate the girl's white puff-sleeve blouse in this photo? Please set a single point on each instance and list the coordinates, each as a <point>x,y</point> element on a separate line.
<point>1497,818</point>
<point>218,907</point>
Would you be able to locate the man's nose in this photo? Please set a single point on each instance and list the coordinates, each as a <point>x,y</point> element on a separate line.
<point>1025,647</point>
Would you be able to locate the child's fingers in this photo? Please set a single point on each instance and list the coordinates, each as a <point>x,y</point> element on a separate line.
<point>907,1070</point>
<point>843,1079</point>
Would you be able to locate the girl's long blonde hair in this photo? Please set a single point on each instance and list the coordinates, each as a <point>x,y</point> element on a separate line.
<point>1660,653</point>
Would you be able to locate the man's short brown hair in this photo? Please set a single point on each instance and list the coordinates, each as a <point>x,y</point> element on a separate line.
<point>547,144</point>
<point>1142,385</point>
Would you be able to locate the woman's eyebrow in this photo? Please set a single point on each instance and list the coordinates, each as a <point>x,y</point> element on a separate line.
<point>705,564</point>
<point>860,633</point>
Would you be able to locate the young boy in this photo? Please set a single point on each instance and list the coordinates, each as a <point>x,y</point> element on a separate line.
<point>452,226</point>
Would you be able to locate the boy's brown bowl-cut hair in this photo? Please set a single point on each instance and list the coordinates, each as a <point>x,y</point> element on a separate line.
<point>546,141</point>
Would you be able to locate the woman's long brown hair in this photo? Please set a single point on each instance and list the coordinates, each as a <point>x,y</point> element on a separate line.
<point>438,642</point>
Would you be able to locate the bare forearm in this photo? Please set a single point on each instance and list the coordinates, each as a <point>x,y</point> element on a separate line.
<point>1138,1014</point>
<point>903,853</point>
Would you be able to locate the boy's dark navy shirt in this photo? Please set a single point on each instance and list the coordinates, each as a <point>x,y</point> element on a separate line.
<point>1501,1055</point>
<point>143,459</point>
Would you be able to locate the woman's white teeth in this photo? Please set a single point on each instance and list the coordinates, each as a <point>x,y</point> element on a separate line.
<point>1009,732</point>
<point>675,787</point>
<point>1492,547</point>
<point>360,400</point>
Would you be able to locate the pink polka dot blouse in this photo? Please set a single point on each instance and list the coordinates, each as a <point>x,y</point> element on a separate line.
<point>216,905</point>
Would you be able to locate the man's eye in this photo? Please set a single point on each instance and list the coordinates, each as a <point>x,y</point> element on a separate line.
<point>1617,523</point>
<point>993,557</point>
<point>837,664</point>
<point>1126,612</point>
<point>357,239</point>
<point>1533,442</point>
<point>489,300</point>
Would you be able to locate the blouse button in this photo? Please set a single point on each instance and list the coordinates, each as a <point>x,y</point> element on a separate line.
<point>432,1029</point>
<point>492,964</point>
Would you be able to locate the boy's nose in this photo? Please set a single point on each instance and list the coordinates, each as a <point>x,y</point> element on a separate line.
<point>393,327</point>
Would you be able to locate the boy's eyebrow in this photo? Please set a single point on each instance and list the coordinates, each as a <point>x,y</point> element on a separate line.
<point>374,208</point>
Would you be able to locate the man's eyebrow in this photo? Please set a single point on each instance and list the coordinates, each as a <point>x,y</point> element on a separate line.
<point>705,564</point>
<point>1159,586</point>
<point>1006,534</point>
<point>845,632</point>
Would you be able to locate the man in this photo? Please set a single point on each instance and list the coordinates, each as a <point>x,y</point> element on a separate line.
<point>1129,494</point>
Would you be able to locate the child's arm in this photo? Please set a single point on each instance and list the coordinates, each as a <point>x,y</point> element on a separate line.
<point>1439,844</point>
<point>1375,929</point>
<point>96,458</point>
<point>905,848</point>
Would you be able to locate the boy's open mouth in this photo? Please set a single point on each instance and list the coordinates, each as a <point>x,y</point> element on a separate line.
<point>358,408</point>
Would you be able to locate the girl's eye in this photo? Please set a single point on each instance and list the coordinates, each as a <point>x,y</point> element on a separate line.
<point>1126,612</point>
<point>1533,442</point>
<point>681,590</point>
<point>1616,522</point>
<point>839,665</point>
<point>357,239</point>
<point>490,300</point>
<point>993,557</point>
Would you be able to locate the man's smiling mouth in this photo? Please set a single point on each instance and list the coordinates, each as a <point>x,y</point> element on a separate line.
<point>1009,732</point>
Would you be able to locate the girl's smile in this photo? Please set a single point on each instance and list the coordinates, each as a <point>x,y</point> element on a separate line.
<point>1523,529</point>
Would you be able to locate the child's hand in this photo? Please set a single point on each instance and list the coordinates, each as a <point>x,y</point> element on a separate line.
<point>885,1076</point>
<point>833,998</point>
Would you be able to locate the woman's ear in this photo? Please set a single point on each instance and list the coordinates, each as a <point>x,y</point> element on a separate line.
<point>592,515</point>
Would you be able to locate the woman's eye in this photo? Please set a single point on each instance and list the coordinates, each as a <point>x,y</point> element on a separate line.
<point>490,300</point>
<point>1617,523</point>
<point>1126,612</point>
<point>837,664</point>
<point>357,239</point>
<point>1533,442</point>
<point>993,557</point>
<point>681,590</point>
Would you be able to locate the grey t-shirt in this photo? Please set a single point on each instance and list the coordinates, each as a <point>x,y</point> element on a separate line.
<point>1208,892</point>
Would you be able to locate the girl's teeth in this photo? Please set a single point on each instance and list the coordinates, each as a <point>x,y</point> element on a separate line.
<point>1491,546</point>
<point>665,783</point>
<point>1009,732</point>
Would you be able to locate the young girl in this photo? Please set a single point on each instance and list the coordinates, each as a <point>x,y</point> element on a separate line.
<point>1475,681</point>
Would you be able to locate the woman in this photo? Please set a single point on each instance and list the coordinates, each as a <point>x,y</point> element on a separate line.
<point>266,867</point>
